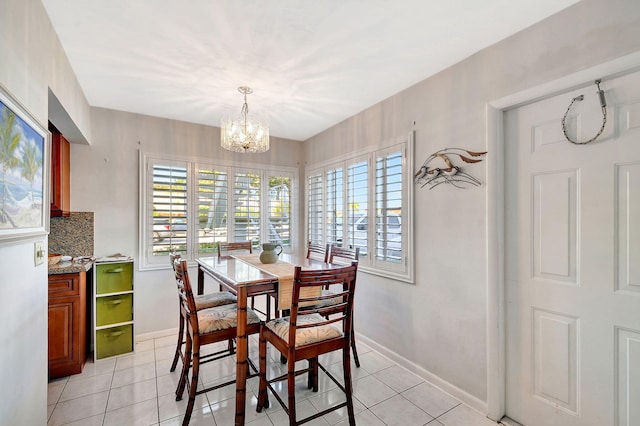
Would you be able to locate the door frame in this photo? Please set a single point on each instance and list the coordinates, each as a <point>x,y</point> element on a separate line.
<point>495,200</point>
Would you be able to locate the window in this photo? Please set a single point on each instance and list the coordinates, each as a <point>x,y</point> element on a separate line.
<point>389,189</point>
<point>358,206</point>
<point>365,202</point>
<point>315,208</point>
<point>167,212</point>
<point>279,210</point>
<point>211,215</point>
<point>229,204</point>
<point>334,210</point>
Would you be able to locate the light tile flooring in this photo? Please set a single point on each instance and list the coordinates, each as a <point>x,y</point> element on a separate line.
<point>138,389</point>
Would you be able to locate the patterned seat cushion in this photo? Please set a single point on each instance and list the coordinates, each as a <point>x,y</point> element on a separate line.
<point>305,336</point>
<point>210,300</point>
<point>329,302</point>
<point>222,318</point>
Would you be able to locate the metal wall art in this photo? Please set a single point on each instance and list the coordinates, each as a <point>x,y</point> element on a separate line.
<point>438,169</point>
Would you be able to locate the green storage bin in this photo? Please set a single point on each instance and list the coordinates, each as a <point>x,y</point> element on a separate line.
<point>114,309</point>
<point>114,341</point>
<point>114,277</point>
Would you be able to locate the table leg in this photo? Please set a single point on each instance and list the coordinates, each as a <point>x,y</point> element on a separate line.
<point>241,355</point>
<point>200,280</point>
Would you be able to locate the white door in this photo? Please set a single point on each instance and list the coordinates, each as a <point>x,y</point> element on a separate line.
<point>573,260</point>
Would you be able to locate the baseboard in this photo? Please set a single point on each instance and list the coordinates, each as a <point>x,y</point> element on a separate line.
<point>509,422</point>
<point>156,334</point>
<point>443,385</point>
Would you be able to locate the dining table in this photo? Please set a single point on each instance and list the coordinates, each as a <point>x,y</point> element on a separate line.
<point>245,276</point>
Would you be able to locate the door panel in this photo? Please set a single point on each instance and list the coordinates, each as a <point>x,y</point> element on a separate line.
<point>628,227</point>
<point>554,225</point>
<point>572,260</point>
<point>628,377</point>
<point>555,359</point>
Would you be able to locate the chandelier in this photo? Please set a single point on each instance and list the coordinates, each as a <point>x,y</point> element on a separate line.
<point>243,134</point>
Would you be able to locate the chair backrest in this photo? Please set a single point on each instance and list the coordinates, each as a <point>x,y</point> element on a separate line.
<point>185,292</point>
<point>342,312</point>
<point>172,258</point>
<point>343,255</point>
<point>224,248</point>
<point>316,251</point>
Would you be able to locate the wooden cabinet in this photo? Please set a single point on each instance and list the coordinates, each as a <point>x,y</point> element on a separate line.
<point>113,309</point>
<point>60,174</point>
<point>67,324</point>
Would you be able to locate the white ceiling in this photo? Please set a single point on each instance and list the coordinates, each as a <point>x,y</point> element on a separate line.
<point>311,63</point>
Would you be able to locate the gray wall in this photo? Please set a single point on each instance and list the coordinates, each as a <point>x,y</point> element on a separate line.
<point>439,326</point>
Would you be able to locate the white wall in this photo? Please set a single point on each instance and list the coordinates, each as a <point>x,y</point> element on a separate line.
<point>438,326</point>
<point>32,61</point>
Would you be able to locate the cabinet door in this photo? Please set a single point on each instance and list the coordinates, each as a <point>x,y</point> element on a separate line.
<point>67,324</point>
<point>65,328</point>
<point>60,175</point>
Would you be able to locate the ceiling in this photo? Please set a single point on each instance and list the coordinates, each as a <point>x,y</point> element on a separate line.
<point>311,63</point>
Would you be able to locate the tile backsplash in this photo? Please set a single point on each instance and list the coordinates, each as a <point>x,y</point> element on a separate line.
<point>72,235</point>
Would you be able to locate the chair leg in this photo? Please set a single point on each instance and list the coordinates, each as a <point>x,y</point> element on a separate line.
<point>186,363</point>
<point>348,387</point>
<point>312,380</point>
<point>179,345</point>
<point>353,349</point>
<point>193,388</point>
<point>263,397</point>
<point>275,304</point>
<point>291,387</point>
<point>268,307</point>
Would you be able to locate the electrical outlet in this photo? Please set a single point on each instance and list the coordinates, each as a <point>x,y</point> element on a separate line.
<point>38,253</point>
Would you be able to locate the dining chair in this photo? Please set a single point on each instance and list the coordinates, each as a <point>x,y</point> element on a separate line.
<point>306,334</point>
<point>342,255</point>
<point>203,301</point>
<point>318,252</point>
<point>226,248</point>
<point>204,327</point>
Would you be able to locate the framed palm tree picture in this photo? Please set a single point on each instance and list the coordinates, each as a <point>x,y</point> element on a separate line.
<point>24,172</point>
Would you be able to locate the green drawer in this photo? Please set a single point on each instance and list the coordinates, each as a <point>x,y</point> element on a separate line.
<point>114,309</point>
<point>114,341</point>
<point>114,277</point>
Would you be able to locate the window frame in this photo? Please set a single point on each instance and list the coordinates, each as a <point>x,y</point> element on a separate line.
<point>190,250</point>
<point>370,263</point>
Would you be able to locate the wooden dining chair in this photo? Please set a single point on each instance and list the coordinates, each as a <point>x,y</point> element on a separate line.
<point>318,252</point>
<point>226,248</point>
<point>204,327</point>
<point>203,301</point>
<point>342,255</point>
<point>306,334</point>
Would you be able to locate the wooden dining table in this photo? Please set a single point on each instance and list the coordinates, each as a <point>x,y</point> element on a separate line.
<point>245,278</point>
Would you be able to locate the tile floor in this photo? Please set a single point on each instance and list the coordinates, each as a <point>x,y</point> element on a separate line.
<point>138,389</point>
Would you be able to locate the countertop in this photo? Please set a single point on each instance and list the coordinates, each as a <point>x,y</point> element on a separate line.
<point>71,267</point>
